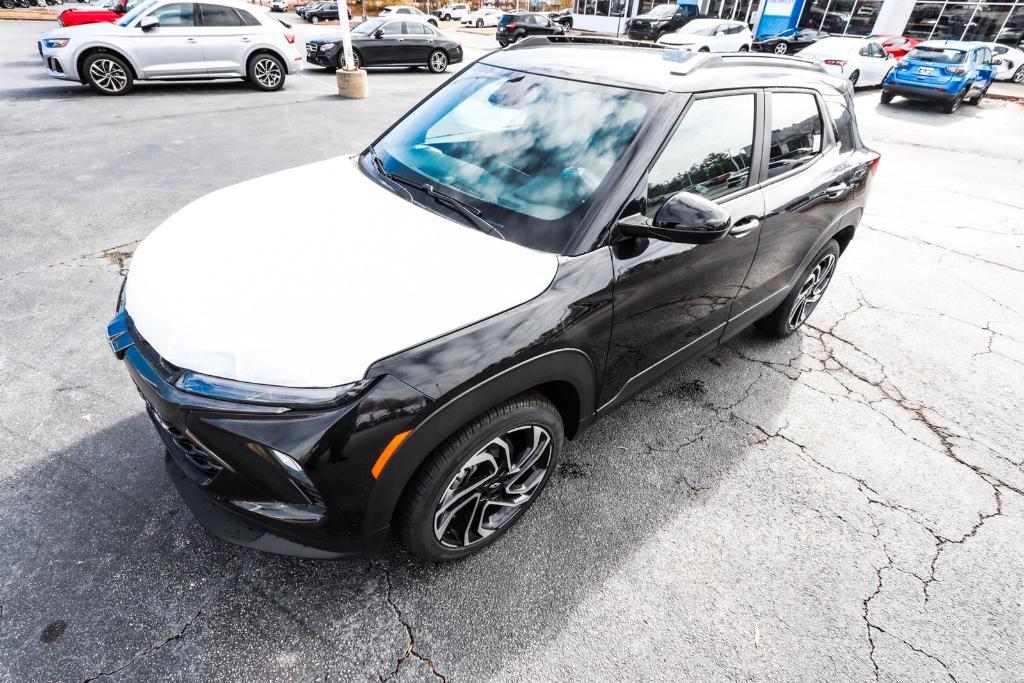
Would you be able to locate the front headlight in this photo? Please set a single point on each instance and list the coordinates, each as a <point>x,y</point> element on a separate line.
<point>247,392</point>
<point>326,46</point>
<point>55,42</point>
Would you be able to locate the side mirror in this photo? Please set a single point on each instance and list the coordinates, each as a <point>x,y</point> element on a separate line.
<point>120,8</point>
<point>378,34</point>
<point>685,218</point>
<point>149,23</point>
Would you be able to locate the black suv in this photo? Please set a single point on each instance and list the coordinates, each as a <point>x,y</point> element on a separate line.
<point>518,25</point>
<point>554,229</point>
<point>660,20</point>
<point>326,11</point>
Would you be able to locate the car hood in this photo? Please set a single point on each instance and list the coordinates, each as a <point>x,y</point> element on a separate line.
<point>651,17</point>
<point>97,29</point>
<point>310,290</point>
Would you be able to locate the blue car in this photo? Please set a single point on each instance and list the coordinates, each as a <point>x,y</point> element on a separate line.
<point>944,71</point>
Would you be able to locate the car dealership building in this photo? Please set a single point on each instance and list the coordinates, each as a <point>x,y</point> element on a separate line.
<point>926,19</point>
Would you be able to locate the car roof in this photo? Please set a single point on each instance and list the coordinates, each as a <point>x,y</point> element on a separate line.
<point>951,44</point>
<point>658,70</point>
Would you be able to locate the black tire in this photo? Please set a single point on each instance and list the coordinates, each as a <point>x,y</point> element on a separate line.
<point>975,101</point>
<point>437,62</point>
<point>704,49</point>
<point>432,22</point>
<point>952,106</point>
<point>744,48</point>
<point>780,48</point>
<point>450,467</point>
<point>1018,75</point>
<point>314,19</point>
<point>7,4</point>
<point>785,320</point>
<point>503,43</point>
<point>854,77</point>
<point>887,97</point>
<point>107,74</point>
<point>447,17</point>
<point>479,23</point>
<point>261,72</point>
<point>357,61</point>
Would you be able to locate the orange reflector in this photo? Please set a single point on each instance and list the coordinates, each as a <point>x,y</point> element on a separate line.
<point>388,451</point>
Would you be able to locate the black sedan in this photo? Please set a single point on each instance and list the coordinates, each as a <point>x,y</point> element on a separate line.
<point>564,17</point>
<point>388,42</point>
<point>790,40</point>
<point>325,11</point>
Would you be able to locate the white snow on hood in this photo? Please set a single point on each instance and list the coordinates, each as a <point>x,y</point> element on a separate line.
<point>304,278</point>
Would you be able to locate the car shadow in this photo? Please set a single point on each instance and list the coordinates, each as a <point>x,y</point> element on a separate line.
<point>105,568</point>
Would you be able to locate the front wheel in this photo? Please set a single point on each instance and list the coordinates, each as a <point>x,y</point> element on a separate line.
<point>1018,75</point>
<point>266,72</point>
<point>704,49</point>
<point>977,100</point>
<point>477,484</point>
<point>432,22</point>
<point>7,4</point>
<point>479,23</point>
<point>887,97</point>
<point>447,17</point>
<point>107,74</point>
<point>438,62</point>
<point>805,296</point>
<point>356,64</point>
<point>781,49</point>
<point>315,20</point>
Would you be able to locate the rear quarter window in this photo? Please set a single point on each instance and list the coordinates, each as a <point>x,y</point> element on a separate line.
<point>843,125</point>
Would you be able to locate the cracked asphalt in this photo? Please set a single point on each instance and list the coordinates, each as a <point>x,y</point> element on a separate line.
<point>845,504</point>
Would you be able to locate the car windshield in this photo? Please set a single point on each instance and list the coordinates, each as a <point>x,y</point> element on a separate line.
<point>127,19</point>
<point>701,27</point>
<point>529,151</point>
<point>368,27</point>
<point>663,11</point>
<point>938,55</point>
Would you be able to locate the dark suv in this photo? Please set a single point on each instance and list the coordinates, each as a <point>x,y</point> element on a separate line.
<point>518,25</point>
<point>554,229</point>
<point>660,20</point>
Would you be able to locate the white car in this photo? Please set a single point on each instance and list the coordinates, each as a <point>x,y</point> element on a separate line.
<point>407,12</point>
<point>1011,67</point>
<point>861,60</point>
<point>710,35</point>
<point>170,39</point>
<point>485,16</point>
<point>278,5</point>
<point>457,12</point>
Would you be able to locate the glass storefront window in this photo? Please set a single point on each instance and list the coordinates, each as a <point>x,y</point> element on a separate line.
<point>1012,32</point>
<point>862,21</point>
<point>923,19</point>
<point>986,21</point>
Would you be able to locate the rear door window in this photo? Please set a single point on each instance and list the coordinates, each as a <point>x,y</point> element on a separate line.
<point>796,131</point>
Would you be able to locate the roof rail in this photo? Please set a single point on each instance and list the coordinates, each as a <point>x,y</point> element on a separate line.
<point>750,59</point>
<point>539,41</point>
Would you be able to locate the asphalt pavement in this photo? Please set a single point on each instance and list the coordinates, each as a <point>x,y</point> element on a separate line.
<point>845,504</point>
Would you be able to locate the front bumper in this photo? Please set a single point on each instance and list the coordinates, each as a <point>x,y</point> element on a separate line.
<point>283,480</point>
<point>642,33</point>
<point>59,63</point>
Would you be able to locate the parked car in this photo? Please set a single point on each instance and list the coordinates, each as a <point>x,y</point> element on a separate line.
<point>457,12</point>
<point>101,12</point>
<point>485,16</point>
<point>710,35</point>
<point>384,41</point>
<point>301,10</point>
<point>278,5</point>
<point>660,20</point>
<point>861,60</point>
<point>408,12</point>
<point>945,71</point>
<point>563,17</point>
<point>897,46</point>
<point>515,26</point>
<point>536,260</point>
<point>1009,62</point>
<point>138,46</point>
<point>790,40</point>
<point>325,11</point>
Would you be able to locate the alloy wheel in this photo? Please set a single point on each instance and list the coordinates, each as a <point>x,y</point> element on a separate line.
<point>781,49</point>
<point>108,75</point>
<point>267,72</point>
<point>1018,75</point>
<point>355,60</point>
<point>492,486</point>
<point>438,62</point>
<point>812,290</point>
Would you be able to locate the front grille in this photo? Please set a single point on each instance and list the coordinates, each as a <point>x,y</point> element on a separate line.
<point>311,49</point>
<point>197,462</point>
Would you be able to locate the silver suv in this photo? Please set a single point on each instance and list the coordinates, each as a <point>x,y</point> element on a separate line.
<point>169,39</point>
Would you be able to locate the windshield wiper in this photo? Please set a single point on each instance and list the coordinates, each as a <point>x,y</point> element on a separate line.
<point>466,210</point>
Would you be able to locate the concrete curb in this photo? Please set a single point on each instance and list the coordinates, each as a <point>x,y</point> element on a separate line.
<point>28,14</point>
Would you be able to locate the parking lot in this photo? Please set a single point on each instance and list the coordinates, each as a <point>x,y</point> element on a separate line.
<point>845,504</point>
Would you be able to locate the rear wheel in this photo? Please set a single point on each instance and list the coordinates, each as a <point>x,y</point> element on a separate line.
<point>977,100</point>
<point>356,63</point>
<point>744,48</point>
<point>437,62</point>
<point>479,23</point>
<point>954,104</point>
<point>781,49</point>
<point>704,49</point>
<point>805,296</point>
<point>266,72</point>
<point>7,4</point>
<point>887,97</point>
<point>107,74</point>
<point>477,484</point>
<point>315,19</point>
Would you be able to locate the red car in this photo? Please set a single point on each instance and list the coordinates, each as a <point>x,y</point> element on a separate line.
<point>897,46</point>
<point>99,13</point>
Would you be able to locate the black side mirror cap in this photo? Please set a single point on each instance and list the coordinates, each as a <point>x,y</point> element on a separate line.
<point>379,33</point>
<point>684,218</point>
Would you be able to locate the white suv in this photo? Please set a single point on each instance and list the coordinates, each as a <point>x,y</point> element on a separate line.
<point>449,12</point>
<point>710,35</point>
<point>169,39</point>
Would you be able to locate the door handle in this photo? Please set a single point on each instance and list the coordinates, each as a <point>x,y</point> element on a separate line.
<point>836,191</point>
<point>246,40</point>
<point>191,40</point>
<point>744,226</point>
